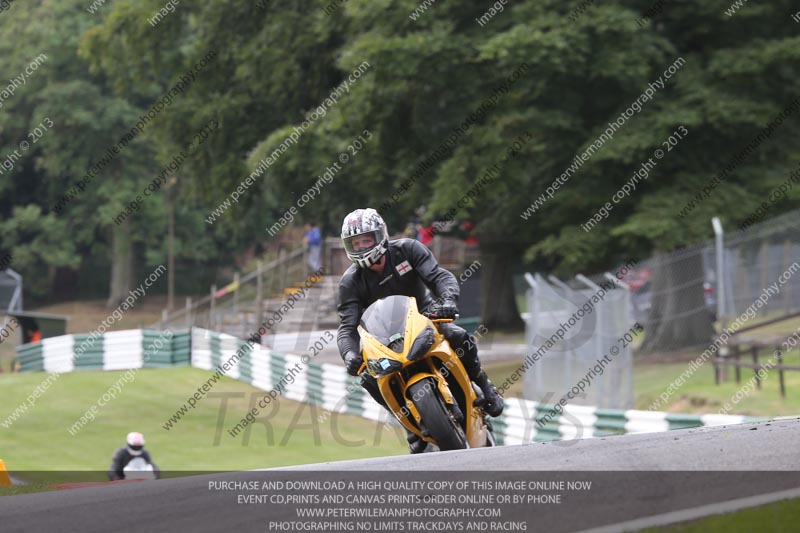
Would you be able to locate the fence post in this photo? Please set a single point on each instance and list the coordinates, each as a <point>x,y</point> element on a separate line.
<point>164,318</point>
<point>721,375</point>
<point>754,352</point>
<point>188,312</point>
<point>719,244</point>
<point>235,293</point>
<point>627,288</point>
<point>532,380</point>
<point>629,313</point>
<point>787,294</point>
<point>598,332</point>
<point>283,267</point>
<point>259,295</point>
<point>211,306</point>
<point>555,281</point>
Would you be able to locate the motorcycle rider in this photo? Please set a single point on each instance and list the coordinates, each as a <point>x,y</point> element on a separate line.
<point>400,267</point>
<point>133,449</point>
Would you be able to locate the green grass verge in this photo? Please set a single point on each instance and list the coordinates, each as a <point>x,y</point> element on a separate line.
<point>499,372</point>
<point>26,489</point>
<point>777,517</point>
<point>698,394</point>
<point>291,433</point>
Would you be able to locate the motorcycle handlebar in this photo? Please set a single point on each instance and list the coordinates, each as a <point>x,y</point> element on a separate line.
<point>432,315</point>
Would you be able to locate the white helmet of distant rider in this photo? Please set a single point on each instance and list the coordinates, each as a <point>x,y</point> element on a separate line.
<point>135,443</point>
<point>364,237</point>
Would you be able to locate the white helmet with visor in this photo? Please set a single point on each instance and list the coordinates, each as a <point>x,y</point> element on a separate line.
<point>364,237</point>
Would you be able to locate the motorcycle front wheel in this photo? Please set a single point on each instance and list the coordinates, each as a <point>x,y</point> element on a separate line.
<point>442,427</point>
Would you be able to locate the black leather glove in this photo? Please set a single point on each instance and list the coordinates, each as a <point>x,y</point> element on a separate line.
<point>353,362</point>
<point>446,309</point>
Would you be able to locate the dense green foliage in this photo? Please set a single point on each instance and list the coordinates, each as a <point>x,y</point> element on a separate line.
<point>276,64</point>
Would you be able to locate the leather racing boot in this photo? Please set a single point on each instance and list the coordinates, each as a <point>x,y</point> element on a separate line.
<point>494,402</point>
<point>415,444</point>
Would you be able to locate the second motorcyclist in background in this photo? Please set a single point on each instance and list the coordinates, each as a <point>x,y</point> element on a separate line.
<point>133,449</point>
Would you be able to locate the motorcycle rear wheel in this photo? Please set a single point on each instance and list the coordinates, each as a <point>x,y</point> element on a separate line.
<point>442,427</point>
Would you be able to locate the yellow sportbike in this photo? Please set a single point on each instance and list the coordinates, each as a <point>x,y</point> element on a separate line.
<point>421,378</point>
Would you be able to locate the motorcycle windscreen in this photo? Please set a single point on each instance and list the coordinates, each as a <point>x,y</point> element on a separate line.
<point>386,320</point>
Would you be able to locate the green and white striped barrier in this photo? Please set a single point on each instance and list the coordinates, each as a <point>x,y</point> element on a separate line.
<point>289,375</point>
<point>114,350</point>
<point>520,422</point>
<point>327,385</point>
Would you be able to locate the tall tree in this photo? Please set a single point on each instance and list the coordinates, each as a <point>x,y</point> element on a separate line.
<point>444,98</point>
<point>70,119</point>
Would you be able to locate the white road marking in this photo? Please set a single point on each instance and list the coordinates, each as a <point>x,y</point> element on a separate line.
<point>693,513</point>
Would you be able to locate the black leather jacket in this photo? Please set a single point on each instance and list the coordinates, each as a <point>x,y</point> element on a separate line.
<point>410,270</point>
<point>122,457</point>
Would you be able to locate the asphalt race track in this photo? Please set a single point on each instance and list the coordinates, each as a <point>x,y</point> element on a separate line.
<point>675,476</point>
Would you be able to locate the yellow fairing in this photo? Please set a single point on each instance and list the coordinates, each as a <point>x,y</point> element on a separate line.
<point>451,365</point>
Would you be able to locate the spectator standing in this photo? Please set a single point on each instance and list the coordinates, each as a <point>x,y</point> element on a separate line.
<point>313,239</point>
